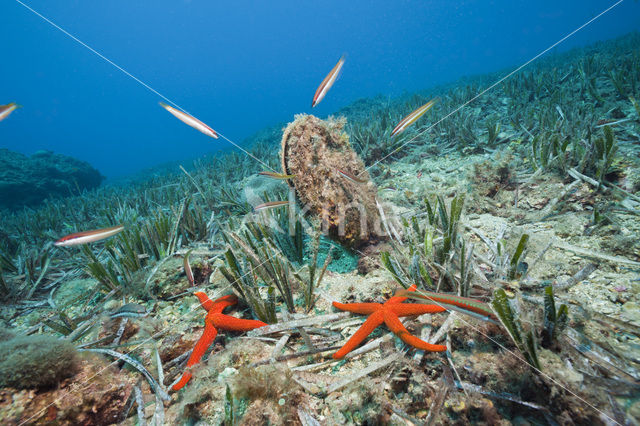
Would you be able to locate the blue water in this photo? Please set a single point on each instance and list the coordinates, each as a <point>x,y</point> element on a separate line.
<point>242,65</point>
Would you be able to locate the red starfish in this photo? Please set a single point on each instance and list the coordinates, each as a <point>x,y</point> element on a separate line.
<point>388,312</point>
<point>214,320</point>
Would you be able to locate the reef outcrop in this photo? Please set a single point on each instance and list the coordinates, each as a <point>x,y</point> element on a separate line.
<point>96,395</point>
<point>28,181</point>
<point>330,180</point>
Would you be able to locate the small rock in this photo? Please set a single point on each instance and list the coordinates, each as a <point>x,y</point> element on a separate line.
<point>226,373</point>
<point>631,311</point>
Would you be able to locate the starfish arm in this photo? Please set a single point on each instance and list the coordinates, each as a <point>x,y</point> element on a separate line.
<point>399,299</point>
<point>186,376</point>
<point>208,336</point>
<point>224,301</point>
<point>394,324</point>
<point>199,349</point>
<point>206,303</point>
<point>365,329</point>
<point>358,308</point>
<point>405,310</point>
<point>226,322</point>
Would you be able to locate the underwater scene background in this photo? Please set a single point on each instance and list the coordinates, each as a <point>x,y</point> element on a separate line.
<point>417,213</point>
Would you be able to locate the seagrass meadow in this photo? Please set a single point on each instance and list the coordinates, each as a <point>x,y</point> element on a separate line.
<point>526,201</point>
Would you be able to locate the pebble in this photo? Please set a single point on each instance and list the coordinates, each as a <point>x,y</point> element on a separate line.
<point>631,311</point>
<point>226,373</point>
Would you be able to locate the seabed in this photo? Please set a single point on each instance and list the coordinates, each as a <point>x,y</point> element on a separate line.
<point>551,154</point>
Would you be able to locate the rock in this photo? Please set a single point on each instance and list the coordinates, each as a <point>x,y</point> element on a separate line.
<point>37,361</point>
<point>27,181</point>
<point>631,311</point>
<point>562,371</point>
<point>96,395</point>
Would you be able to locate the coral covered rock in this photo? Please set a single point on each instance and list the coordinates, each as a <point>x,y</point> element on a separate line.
<point>37,361</point>
<point>330,179</point>
<point>96,395</point>
<point>27,181</point>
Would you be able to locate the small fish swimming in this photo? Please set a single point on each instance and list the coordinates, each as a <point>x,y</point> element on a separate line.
<point>7,109</point>
<point>351,177</point>
<point>271,205</point>
<point>413,117</point>
<point>275,175</point>
<point>85,237</point>
<point>327,83</point>
<point>190,120</point>
<point>130,310</point>
<point>187,269</point>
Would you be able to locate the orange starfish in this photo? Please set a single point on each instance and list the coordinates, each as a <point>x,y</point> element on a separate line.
<point>388,312</point>
<point>214,320</point>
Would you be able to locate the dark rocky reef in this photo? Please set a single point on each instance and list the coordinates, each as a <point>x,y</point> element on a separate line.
<point>28,181</point>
